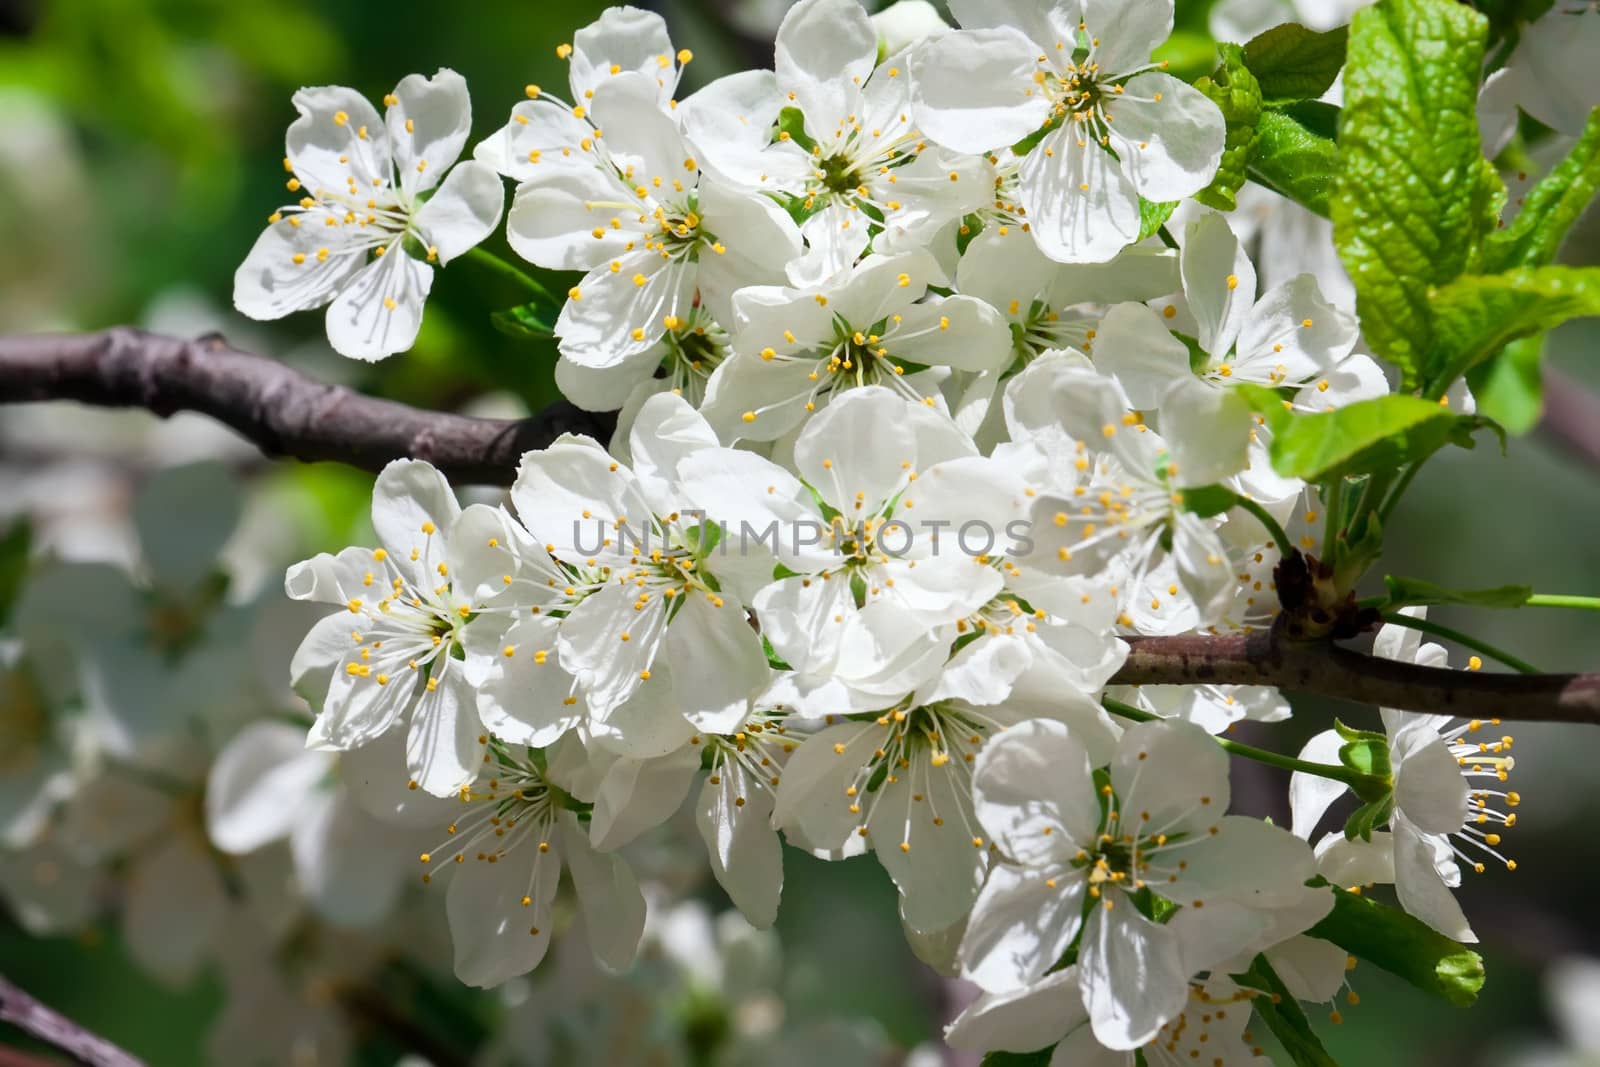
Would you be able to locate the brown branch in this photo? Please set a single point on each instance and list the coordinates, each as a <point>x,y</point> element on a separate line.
<point>282,411</point>
<point>1263,658</point>
<point>56,1030</point>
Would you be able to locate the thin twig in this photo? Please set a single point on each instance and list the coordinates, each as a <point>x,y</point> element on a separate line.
<point>60,1033</point>
<point>279,409</point>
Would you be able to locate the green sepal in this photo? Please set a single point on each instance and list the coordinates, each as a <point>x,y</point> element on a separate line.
<point>1209,500</point>
<point>1368,817</point>
<point>1283,1016</point>
<point>1404,946</point>
<point>1232,87</point>
<point>792,121</point>
<point>1153,216</point>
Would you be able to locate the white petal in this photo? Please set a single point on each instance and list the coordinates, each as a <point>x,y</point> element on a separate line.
<point>919,827</point>
<point>444,746</point>
<point>1132,974</point>
<point>255,787</point>
<point>638,794</point>
<point>608,899</point>
<point>627,39</point>
<point>428,127</point>
<point>717,662</point>
<point>556,213</point>
<point>1021,925</point>
<point>1173,144</point>
<point>1175,771</point>
<point>557,485</point>
<point>338,136</point>
<point>958,331</point>
<point>858,445</point>
<point>744,851</point>
<point>1276,338</point>
<point>610,647</point>
<point>730,122</point>
<point>282,273</point>
<point>1132,345</point>
<point>185,515</point>
<point>529,699</point>
<point>1081,206</point>
<point>379,311</point>
<point>1126,32</point>
<point>974,89</point>
<point>495,936</point>
<point>1310,795</point>
<point>1203,567</point>
<point>1034,793</point>
<point>1421,890</point>
<point>1312,969</point>
<point>464,211</point>
<point>413,507</point>
<point>1218,281</point>
<point>824,50</point>
<point>1023,1021</point>
<point>624,311</point>
<point>1208,428</point>
<point>1354,863</point>
<point>1430,789</point>
<point>350,868</point>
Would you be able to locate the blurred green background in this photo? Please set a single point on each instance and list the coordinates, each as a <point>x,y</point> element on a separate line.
<point>140,153</point>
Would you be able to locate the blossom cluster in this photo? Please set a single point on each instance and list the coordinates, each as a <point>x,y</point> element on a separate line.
<point>916,370</point>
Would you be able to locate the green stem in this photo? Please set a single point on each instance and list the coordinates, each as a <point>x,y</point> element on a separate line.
<point>1333,504</point>
<point>1558,600</point>
<point>1260,755</point>
<point>1428,626</point>
<point>1166,237</point>
<point>510,270</point>
<point>1285,546</point>
<point>1393,498</point>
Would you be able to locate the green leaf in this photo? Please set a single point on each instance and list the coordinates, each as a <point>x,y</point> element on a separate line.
<point>1414,197</point>
<point>14,546</point>
<point>1294,158</point>
<point>1293,63</point>
<point>1477,316</point>
<point>1550,208</point>
<point>524,322</point>
<point>1153,216</point>
<point>1208,500</point>
<point>1282,1014</point>
<point>1403,946</point>
<point>1414,591</point>
<point>1232,87</point>
<point>1361,438</point>
<point>1509,388</point>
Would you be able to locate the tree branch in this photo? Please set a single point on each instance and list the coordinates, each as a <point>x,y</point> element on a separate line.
<point>56,1030</point>
<point>282,411</point>
<point>1262,657</point>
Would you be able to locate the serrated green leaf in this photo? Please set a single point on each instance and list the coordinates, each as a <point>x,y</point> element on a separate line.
<point>1414,198</point>
<point>1403,946</point>
<point>1153,216</point>
<point>1291,62</point>
<point>1509,388</point>
<point>1208,500</point>
<point>1476,316</point>
<point>1282,1014</point>
<point>1294,157</point>
<point>525,322</point>
<point>1415,591</point>
<point>1550,208</point>
<point>1367,436</point>
<point>1232,87</point>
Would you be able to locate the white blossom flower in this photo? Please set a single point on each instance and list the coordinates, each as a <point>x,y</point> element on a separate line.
<point>1110,126</point>
<point>1290,337</point>
<point>1445,813</point>
<point>391,652</point>
<point>906,22</point>
<point>645,599</point>
<point>656,237</point>
<point>375,214</point>
<point>1211,1028</point>
<point>795,349</point>
<point>545,129</point>
<point>1072,868</point>
<point>1113,494</point>
<point>37,738</point>
<point>858,165</point>
<point>515,832</point>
